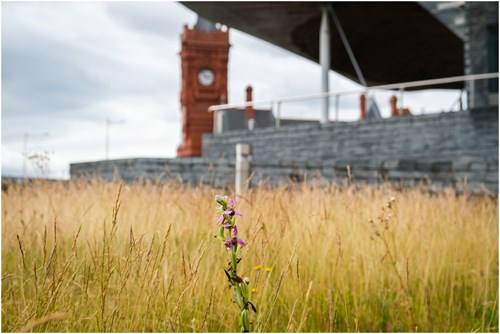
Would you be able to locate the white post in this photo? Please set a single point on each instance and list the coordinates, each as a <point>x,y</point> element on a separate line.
<point>278,114</point>
<point>324,60</point>
<point>218,120</point>
<point>242,167</point>
<point>251,124</point>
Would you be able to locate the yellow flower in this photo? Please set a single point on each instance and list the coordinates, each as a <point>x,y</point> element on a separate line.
<point>254,289</point>
<point>268,269</point>
<point>258,267</point>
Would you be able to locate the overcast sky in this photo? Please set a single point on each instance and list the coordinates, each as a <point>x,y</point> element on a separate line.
<point>68,66</point>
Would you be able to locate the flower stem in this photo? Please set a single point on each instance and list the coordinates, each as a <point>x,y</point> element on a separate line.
<point>234,261</point>
<point>245,324</point>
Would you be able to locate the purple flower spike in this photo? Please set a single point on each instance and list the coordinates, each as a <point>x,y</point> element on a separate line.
<point>241,242</point>
<point>230,211</point>
<point>238,240</point>
<point>229,243</point>
<point>221,220</point>
<point>227,218</point>
<point>227,214</point>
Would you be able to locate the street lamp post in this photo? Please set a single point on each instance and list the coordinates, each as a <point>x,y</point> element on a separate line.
<point>108,123</point>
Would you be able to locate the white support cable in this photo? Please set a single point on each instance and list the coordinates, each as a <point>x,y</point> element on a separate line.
<point>347,46</point>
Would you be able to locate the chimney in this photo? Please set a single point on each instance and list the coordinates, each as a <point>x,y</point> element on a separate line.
<point>394,106</point>
<point>362,105</point>
<point>249,111</point>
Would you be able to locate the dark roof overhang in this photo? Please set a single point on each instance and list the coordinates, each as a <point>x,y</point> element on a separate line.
<point>393,42</point>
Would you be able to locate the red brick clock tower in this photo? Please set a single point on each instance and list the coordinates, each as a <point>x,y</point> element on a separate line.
<point>204,58</point>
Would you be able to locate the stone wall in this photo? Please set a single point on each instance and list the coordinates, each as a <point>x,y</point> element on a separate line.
<point>441,149</point>
<point>194,171</point>
<point>446,148</point>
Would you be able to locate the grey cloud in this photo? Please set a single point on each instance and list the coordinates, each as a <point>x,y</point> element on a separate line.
<point>43,83</point>
<point>44,78</point>
<point>62,80</point>
<point>164,19</point>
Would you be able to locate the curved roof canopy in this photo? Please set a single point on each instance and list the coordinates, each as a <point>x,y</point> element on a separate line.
<point>392,41</point>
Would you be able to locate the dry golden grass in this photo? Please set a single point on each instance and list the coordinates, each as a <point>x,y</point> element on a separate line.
<point>79,257</point>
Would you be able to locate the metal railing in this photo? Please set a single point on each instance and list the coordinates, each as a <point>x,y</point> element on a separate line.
<point>277,102</point>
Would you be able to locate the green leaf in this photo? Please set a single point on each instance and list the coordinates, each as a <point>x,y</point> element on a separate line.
<point>244,290</point>
<point>245,323</point>
<point>221,233</point>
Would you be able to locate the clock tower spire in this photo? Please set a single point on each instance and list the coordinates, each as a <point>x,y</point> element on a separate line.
<point>204,57</point>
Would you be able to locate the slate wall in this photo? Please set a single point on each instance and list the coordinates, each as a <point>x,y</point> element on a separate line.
<point>194,171</point>
<point>445,149</point>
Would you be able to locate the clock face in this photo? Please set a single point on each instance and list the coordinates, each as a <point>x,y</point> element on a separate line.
<point>206,77</point>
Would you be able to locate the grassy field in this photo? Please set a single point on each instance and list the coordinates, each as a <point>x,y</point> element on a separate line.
<point>81,257</point>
